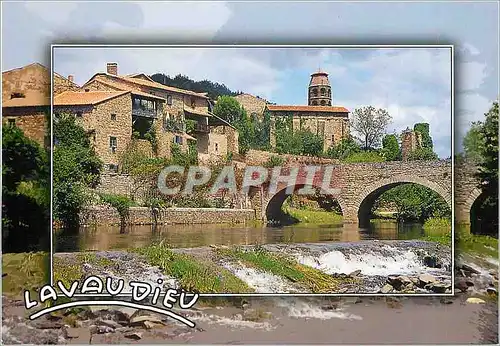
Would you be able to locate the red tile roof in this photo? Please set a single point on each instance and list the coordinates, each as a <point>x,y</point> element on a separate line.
<point>146,83</point>
<point>124,87</point>
<point>323,109</point>
<point>75,98</point>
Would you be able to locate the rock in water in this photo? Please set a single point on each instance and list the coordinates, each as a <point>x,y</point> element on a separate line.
<point>469,269</point>
<point>386,289</point>
<point>461,285</point>
<point>492,291</point>
<point>134,335</point>
<point>425,279</point>
<point>430,261</point>
<point>474,300</point>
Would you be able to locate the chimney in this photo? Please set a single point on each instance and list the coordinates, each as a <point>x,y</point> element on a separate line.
<point>112,68</point>
<point>71,77</point>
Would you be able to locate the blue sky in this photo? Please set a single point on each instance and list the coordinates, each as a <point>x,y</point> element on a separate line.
<point>410,84</point>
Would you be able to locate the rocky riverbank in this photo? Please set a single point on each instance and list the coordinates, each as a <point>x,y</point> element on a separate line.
<point>404,267</point>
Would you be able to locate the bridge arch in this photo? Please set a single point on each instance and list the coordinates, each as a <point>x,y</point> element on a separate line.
<point>364,201</point>
<point>275,202</point>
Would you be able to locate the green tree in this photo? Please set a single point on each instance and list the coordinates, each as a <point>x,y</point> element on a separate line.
<point>311,144</point>
<point>25,193</point>
<point>390,148</point>
<point>488,167</point>
<point>424,130</point>
<point>473,141</point>
<point>371,124</point>
<point>76,169</point>
<point>414,202</point>
<point>229,109</point>
<point>344,148</point>
<point>422,154</point>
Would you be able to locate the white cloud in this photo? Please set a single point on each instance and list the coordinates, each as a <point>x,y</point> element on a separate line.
<point>172,20</point>
<point>54,13</point>
<point>469,49</point>
<point>470,75</point>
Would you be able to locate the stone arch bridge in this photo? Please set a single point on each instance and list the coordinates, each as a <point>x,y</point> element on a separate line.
<point>360,184</point>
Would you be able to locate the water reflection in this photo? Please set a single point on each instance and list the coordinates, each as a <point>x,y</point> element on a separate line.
<point>185,236</point>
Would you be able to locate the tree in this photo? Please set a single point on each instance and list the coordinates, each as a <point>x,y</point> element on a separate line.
<point>343,149</point>
<point>488,167</point>
<point>390,148</point>
<point>229,109</point>
<point>423,129</point>
<point>422,154</point>
<point>311,144</point>
<point>76,169</point>
<point>371,124</point>
<point>488,171</point>
<point>473,141</point>
<point>414,202</point>
<point>25,193</point>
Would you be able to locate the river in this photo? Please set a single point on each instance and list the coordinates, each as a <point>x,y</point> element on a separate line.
<point>102,238</point>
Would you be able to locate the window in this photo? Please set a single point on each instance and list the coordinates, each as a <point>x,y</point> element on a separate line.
<point>193,102</point>
<point>216,147</point>
<point>113,116</point>
<point>79,114</point>
<point>12,122</point>
<point>169,100</point>
<point>323,102</point>
<point>17,95</point>
<point>113,168</point>
<point>323,91</point>
<point>178,140</point>
<point>87,90</point>
<point>314,103</point>
<point>112,144</point>
<point>333,138</point>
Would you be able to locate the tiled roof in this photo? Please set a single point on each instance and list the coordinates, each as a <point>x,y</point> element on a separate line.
<point>196,111</point>
<point>125,87</point>
<point>150,84</point>
<point>31,99</point>
<point>323,109</point>
<point>75,98</point>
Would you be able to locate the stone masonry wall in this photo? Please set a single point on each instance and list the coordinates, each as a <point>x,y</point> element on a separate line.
<point>252,104</point>
<point>259,158</point>
<point>144,216</point>
<point>31,120</point>
<point>105,127</point>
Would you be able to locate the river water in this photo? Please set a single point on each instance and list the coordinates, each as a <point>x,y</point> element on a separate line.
<point>104,238</point>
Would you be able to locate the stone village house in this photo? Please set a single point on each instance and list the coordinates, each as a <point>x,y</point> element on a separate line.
<point>26,99</point>
<point>150,104</point>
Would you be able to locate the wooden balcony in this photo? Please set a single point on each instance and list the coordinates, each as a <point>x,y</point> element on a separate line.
<point>141,112</point>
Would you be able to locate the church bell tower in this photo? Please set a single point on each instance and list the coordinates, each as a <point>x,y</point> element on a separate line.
<point>320,91</point>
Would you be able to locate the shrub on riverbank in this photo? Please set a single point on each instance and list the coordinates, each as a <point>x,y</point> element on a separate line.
<point>24,271</point>
<point>315,280</point>
<point>314,216</point>
<point>437,222</point>
<point>121,203</point>
<point>193,275</point>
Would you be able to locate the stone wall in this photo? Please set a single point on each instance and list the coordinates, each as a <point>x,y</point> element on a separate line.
<point>231,135</point>
<point>253,105</point>
<point>31,120</point>
<point>410,141</point>
<point>104,215</point>
<point>259,158</point>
